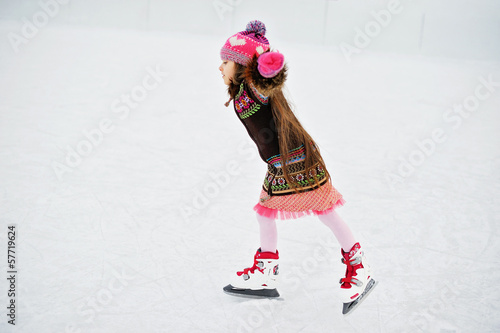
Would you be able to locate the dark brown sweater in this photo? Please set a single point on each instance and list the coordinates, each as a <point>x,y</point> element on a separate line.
<point>255,113</point>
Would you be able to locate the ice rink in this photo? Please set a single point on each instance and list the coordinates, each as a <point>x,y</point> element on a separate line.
<point>131,187</point>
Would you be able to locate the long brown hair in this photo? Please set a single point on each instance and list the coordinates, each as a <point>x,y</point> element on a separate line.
<point>291,133</point>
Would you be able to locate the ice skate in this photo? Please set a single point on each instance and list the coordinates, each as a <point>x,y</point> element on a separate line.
<point>358,282</point>
<point>258,280</point>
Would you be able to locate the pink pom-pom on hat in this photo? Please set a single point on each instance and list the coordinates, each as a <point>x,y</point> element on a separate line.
<point>270,63</point>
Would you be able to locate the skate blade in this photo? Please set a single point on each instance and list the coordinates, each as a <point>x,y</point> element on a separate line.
<point>250,293</point>
<point>349,307</point>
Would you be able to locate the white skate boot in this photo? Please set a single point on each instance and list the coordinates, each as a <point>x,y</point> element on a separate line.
<point>258,280</point>
<point>358,281</point>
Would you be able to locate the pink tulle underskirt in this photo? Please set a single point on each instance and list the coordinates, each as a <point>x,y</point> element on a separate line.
<point>286,215</point>
<point>321,201</point>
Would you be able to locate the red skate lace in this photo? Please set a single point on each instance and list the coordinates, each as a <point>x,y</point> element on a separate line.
<point>350,272</point>
<point>251,269</point>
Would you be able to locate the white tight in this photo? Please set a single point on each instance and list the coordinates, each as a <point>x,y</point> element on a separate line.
<point>269,233</point>
<point>340,229</point>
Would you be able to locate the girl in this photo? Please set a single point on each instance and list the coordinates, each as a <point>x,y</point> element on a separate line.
<point>297,182</point>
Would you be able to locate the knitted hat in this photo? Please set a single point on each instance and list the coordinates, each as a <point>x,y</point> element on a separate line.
<point>242,46</point>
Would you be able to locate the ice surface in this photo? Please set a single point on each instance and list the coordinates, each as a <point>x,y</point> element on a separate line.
<point>143,233</point>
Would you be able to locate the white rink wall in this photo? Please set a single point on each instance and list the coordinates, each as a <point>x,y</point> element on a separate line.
<point>465,29</point>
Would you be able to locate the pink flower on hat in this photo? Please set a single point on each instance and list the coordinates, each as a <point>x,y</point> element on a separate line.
<point>242,46</point>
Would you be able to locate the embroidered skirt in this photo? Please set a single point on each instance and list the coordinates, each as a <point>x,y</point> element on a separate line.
<point>321,200</point>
